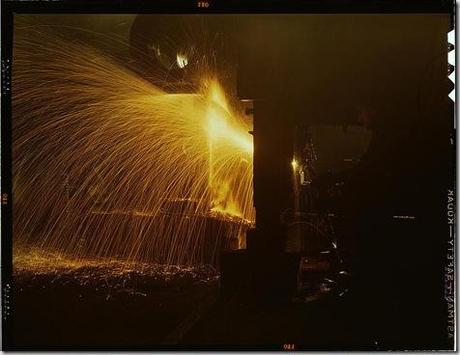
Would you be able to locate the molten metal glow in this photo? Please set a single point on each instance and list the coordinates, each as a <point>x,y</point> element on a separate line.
<point>181,60</point>
<point>222,127</point>
<point>106,164</point>
<point>104,275</point>
<point>294,164</point>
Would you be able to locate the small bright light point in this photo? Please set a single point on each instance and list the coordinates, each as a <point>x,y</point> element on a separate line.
<point>294,164</point>
<point>181,60</point>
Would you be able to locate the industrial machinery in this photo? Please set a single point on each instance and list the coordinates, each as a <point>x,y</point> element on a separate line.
<point>298,96</point>
<point>334,176</point>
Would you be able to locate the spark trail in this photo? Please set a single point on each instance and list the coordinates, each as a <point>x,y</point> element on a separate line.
<point>108,165</point>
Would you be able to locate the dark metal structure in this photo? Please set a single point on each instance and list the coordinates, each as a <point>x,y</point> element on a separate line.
<point>330,69</point>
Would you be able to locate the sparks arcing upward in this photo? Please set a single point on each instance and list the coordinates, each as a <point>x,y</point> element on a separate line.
<point>106,164</point>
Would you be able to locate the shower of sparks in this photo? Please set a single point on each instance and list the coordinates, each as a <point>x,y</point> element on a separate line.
<point>108,165</point>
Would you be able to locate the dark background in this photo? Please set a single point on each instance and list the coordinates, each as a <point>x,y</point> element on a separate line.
<point>322,69</point>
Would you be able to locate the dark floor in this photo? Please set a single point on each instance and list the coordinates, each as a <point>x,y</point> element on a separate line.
<point>185,310</point>
<point>123,311</point>
<point>52,314</point>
